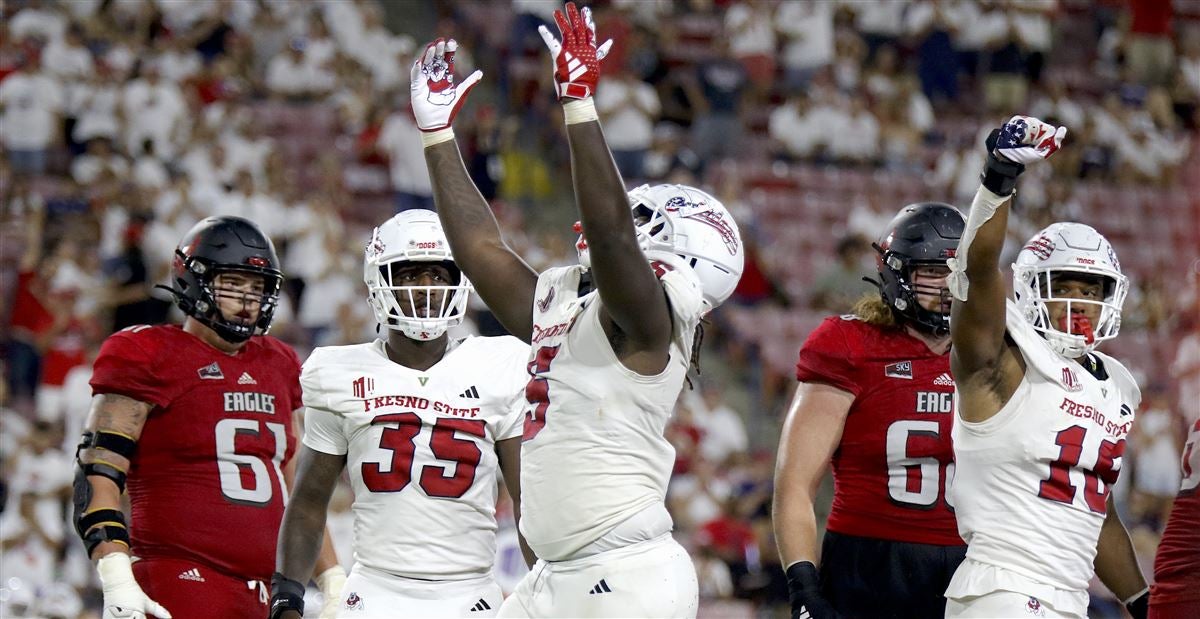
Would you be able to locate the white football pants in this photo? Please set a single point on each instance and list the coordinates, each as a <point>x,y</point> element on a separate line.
<point>654,578</point>
<point>369,594</point>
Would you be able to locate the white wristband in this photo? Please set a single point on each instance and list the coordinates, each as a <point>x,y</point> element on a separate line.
<point>578,111</point>
<point>429,138</point>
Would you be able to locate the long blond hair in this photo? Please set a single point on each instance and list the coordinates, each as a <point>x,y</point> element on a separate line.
<point>871,309</point>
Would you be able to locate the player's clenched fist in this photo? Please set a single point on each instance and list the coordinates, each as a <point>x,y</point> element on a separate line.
<point>435,97</point>
<point>1021,141</point>
<point>576,57</point>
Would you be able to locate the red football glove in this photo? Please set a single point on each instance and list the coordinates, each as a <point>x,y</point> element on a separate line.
<point>576,58</point>
<point>435,99</point>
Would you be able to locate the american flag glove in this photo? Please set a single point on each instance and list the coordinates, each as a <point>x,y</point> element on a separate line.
<point>1026,140</point>
<point>576,57</point>
<point>434,96</point>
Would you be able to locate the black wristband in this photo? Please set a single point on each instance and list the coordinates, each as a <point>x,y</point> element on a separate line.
<point>286,594</point>
<point>999,175</point>
<point>802,576</point>
<point>1139,607</point>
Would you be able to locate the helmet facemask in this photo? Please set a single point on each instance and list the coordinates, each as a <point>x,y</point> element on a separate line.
<point>1072,337</point>
<point>197,295</point>
<point>420,312</point>
<point>902,293</point>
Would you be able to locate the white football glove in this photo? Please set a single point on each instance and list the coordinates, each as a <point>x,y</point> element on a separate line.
<point>435,98</point>
<point>1026,140</point>
<point>123,597</point>
<point>331,582</point>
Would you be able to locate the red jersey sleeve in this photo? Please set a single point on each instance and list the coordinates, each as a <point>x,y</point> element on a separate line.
<point>126,366</point>
<point>295,394</point>
<point>826,357</point>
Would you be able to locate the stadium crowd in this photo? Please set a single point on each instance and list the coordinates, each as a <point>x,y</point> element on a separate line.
<point>126,121</point>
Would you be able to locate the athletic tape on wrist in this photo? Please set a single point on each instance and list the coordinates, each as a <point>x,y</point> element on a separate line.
<point>580,111</point>
<point>983,207</point>
<point>429,138</point>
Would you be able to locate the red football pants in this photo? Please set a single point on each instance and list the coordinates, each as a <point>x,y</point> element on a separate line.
<point>190,590</point>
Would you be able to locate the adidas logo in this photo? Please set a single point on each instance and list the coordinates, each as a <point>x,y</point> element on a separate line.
<point>480,605</point>
<point>246,379</point>
<point>471,393</point>
<point>944,380</point>
<point>601,587</point>
<point>192,574</point>
<point>804,614</point>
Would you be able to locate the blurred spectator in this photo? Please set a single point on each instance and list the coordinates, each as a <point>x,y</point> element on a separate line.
<point>33,529</point>
<point>1005,85</point>
<point>854,136</point>
<point>1149,51</point>
<point>932,25</point>
<point>98,159</point>
<point>881,22</point>
<point>712,575</point>
<point>668,153</point>
<point>1031,22</point>
<point>716,95</point>
<point>38,19</point>
<point>97,106</point>
<point>31,102</point>
<point>628,107</point>
<point>807,28</point>
<point>156,110</point>
<point>66,58</point>
<point>1156,460</point>
<point>750,30</point>
<point>722,433</point>
<point>795,136</point>
<point>31,320</point>
<point>838,286</point>
<point>292,76</point>
<point>401,141</point>
<point>177,60</point>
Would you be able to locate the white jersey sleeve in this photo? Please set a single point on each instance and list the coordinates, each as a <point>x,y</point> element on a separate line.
<point>322,425</point>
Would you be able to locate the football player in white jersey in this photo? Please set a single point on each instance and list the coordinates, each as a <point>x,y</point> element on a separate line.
<point>1042,417</point>
<point>422,422</point>
<point>613,340</point>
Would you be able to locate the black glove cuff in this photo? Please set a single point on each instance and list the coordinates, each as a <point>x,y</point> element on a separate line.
<point>286,594</point>
<point>999,175</point>
<point>1139,608</point>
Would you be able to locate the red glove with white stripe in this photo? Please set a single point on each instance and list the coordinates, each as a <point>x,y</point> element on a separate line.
<point>576,58</point>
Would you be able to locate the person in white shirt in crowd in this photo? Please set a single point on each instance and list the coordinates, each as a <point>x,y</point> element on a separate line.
<point>246,142</point>
<point>401,141</point>
<point>155,110</point>
<point>807,28</point>
<point>791,129</point>
<point>148,170</point>
<point>321,46</point>
<point>97,106</point>
<point>248,199</point>
<point>208,166</point>
<point>98,158</point>
<point>67,58</point>
<point>879,21</point>
<point>33,524</point>
<point>31,104</point>
<point>177,59</point>
<point>38,19</point>
<point>1156,474</point>
<point>629,108</point>
<point>855,138</point>
<point>750,29</point>
<point>723,431</point>
<point>291,76</point>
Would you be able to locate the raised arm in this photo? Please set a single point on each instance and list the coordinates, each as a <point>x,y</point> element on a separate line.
<point>501,277</point>
<point>629,289</point>
<point>977,323</point>
<point>110,438</point>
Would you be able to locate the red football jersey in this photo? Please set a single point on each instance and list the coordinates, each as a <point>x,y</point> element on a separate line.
<point>206,481</point>
<point>891,468</point>
<point>1177,564</point>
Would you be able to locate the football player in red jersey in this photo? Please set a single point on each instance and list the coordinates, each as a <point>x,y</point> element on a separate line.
<point>876,397</point>
<point>1176,590</point>
<point>198,420</point>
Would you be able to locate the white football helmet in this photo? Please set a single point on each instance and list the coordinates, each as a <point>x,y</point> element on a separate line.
<point>418,311</point>
<point>1075,248</point>
<point>685,222</point>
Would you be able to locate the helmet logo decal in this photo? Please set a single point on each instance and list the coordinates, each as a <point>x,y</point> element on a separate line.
<point>701,211</point>
<point>257,261</point>
<point>376,247</point>
<point>1041,247</point>
<point>1112,258</point>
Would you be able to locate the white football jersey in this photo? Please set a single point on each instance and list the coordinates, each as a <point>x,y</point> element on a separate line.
<point>594,452</point>
<point>1031,483</point>
<point>420,449</point>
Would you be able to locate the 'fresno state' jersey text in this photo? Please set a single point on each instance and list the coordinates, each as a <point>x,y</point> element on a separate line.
<point>895,461</point>
<point>1033,480</point>
<point>420,449</point>
<point>209,463</point>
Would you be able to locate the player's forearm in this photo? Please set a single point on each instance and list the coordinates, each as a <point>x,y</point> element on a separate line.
<point>795,524</point>
<point>465,214</point>
<point>300,540</point>
<point>327,557</point>
<point>1116,561</point>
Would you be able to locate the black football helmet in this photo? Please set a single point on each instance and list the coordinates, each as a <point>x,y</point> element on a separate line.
<point>922,234</point>
<point>221,245</point>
